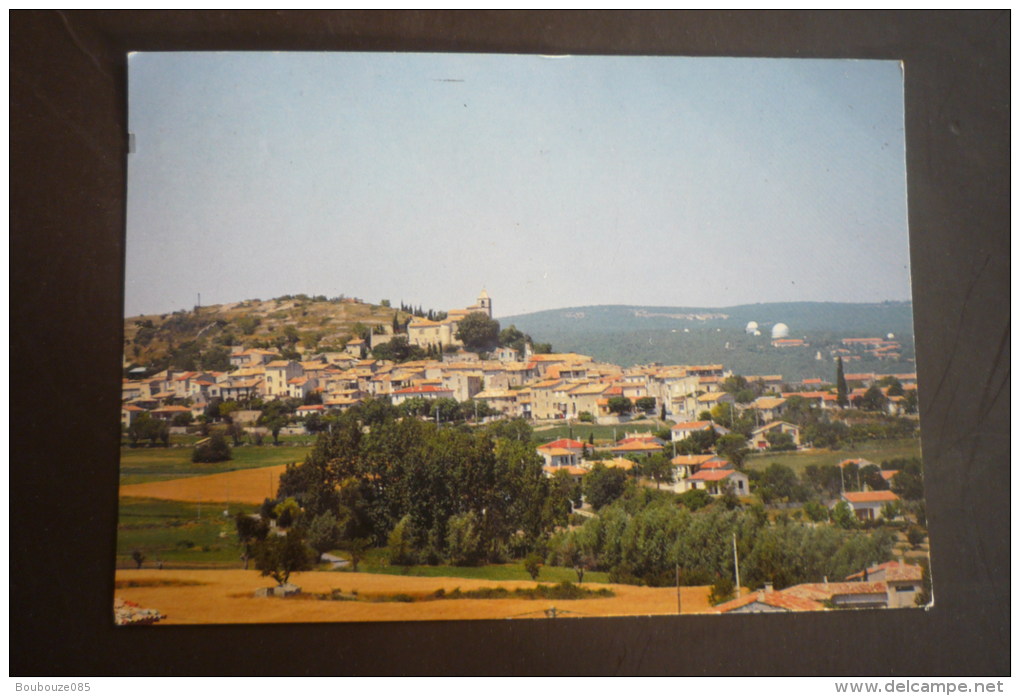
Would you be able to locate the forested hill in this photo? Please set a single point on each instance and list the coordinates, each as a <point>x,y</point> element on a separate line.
<point>203,335</point>
<point>628,335</point>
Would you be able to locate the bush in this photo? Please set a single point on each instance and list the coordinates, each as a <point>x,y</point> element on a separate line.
<point>722,590</point>
<point>215,449</point>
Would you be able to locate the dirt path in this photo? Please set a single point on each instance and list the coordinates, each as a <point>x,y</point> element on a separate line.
<point>246,486</point>
<point>227,597</point>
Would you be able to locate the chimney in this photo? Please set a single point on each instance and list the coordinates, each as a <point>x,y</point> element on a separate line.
<point>768,587</point>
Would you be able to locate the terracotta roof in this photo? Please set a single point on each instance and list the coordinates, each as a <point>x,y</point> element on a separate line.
<point>859,462</point>
<point>692,459</point>
<point>894,570</point>
<point>572,470</point>
<point>563,443</point>
<point>619,463</point>
<point>780,600</point>
<point>712,475</point>
<point>637,446</point>
<point>821,591</point>
<point>692,425</point>
<point>871,497</point>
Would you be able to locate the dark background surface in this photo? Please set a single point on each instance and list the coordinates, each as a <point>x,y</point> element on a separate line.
<point>68,181</point>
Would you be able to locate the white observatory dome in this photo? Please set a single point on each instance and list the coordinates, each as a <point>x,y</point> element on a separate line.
<point>780,330</point>
<point>751,327</point>
<point>757,332</point>
<point>890,336</point>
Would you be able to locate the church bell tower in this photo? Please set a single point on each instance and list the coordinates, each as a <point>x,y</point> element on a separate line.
<point>485,302</point>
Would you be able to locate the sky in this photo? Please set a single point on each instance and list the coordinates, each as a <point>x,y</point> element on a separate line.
<point>547,181</point>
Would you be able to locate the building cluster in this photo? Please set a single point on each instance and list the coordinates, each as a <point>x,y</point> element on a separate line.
<point>892,585</point>
<point>538,387</point>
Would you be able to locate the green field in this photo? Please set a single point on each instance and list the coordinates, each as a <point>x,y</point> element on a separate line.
<point>179,534</point>
<point>605,433</point>
<point>145,464</point>
<point>876,451</point>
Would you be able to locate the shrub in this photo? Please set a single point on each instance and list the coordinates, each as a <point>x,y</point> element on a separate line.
<point>215,449</point>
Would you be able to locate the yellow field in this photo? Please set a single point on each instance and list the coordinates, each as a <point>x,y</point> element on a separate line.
<point>227,597</point>
<point>246,486</point>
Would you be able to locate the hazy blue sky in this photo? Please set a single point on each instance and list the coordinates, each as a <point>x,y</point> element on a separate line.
<point>551,182</point>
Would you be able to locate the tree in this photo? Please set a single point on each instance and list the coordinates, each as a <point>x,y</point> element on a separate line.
<point>478,332</point>
<point>182,419</point>
<point>909,482</point>
<point>780,442</point>
<point>923,597</point>
<point>733,447</point>
<point>287,513</point>
<point>695,499</point>
<point>533,564</point>
<point>280,555</point>
<point>659,468</point>
<point>915,536</point>
<point>214,449</point>
<point>620,405</point>
<point>779,482</point>
<point>357,549</point>
<point>722,590</point>
<point>250,531</point>
<point>843,517</point>
<point>399,548</point>
<point>603,485</point>
<point>236,432</point>
<point>464,539</point>
<point>873,399</point>
<point>324,533</point>
<point>645,403</point>
<point>841,390</point>
<point>138,557</point>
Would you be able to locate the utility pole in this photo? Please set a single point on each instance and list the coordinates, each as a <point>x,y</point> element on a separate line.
<point>678,587</point>
<point>736,564</point>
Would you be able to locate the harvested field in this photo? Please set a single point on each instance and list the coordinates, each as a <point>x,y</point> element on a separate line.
<point>226,596</point>
<point>247,486</point>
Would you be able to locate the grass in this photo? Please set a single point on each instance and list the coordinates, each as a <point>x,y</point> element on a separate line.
<point>144,464</point>
<point>179,534</point>
<point>876,451</point>
<point>581,431</point>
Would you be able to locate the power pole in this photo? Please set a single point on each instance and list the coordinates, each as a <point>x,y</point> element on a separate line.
<point>736,564</point>
<point>678,587</point>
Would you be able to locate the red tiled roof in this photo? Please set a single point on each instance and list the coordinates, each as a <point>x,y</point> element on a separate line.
<point>692,425</point>
<point>871,497</point>
<point>563,443</point>
<point>780,600</point>
<point>712,475</point>
<point>639,446</point>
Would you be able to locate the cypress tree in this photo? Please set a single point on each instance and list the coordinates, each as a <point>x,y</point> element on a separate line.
<point>841,392</point>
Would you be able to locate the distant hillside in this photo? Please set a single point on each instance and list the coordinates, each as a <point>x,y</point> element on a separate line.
<point>203,335</point>
<point>629,335</point>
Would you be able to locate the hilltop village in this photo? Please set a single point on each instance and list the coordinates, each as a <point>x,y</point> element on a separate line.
<point>696,432</point>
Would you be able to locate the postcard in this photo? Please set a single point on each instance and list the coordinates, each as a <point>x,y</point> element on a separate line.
<point>463,336</point>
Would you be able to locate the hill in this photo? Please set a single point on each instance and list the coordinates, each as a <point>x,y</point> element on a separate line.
<point>288,323</point>
<point>629,335</point>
